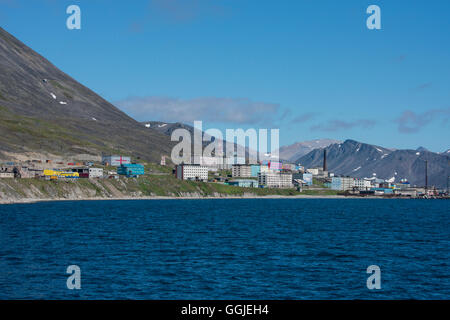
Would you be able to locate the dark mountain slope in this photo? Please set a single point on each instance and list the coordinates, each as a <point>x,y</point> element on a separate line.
<point>42,109</point>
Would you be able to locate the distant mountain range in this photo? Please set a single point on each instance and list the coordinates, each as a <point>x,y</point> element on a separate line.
<point>45,111</point>
<point>353,158</point>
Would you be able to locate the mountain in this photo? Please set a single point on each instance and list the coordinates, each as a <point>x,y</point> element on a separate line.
<point>422,149</point>
<point>299,149</point>
<point>45,111</point>
<point>360,160</point>
<point>167,129</point>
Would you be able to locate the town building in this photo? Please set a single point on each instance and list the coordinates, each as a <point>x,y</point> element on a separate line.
<point>89,173</point>
<point>244,183</point>
<point>313,171</point>
<point>275,180</point>
<point>404,184</point>
<point>115,161</point>
<point>382,191</point>
<point>191,172</point>
<point>404,192</point>
<point>361,184</point>
<point>350,183</point>
<point>6,175</point>
<point>82,172</point>
<point>241,170</point>
<point>318,173</point>
<point>307,178</point>
<point>342,183</point>
<point>27,172</point>
<point>256,168</point>
<point>56,174</point>
<point>131,170</point>
<point>7,172</point>
<point>95,173</point>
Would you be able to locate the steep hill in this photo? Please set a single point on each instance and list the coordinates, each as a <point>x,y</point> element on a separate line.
<point>46,111</point>
<point>361,160</point>
<point>167,129</point>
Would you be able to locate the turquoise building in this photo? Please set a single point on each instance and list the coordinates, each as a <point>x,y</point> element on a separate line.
<point>131,170</point>
<point>256,168</point>
<point>244,183</point>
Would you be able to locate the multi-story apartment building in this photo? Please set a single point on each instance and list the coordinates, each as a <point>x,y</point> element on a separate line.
<point>241,170</point>
<point>275,180</point>
<point>191,172</point>
<point>349,183</point>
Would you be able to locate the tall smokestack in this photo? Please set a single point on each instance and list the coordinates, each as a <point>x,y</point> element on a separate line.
<point>426,174</point>
<point>325,160</point>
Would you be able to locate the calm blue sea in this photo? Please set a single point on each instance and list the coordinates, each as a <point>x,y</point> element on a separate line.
<point>226,249</point>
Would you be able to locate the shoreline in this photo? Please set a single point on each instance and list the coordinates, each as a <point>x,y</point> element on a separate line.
<point>319,197</point>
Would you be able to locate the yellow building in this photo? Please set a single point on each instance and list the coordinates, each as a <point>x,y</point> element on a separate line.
<point>60,174</point>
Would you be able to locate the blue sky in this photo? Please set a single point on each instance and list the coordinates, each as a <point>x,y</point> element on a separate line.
<point>310,68</point>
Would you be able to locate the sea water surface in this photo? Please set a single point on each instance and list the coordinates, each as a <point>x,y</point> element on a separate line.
<point>226,249</point>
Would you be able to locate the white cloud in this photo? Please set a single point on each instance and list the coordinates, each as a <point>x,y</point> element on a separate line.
<point>211,109</point>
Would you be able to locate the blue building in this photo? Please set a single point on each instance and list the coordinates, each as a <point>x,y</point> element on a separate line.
<point>342,183</point>
<point>382,190</point>
<point>244,183</point>
<point>308,178</point>
<point>131,170</point>
<point>256,168</point>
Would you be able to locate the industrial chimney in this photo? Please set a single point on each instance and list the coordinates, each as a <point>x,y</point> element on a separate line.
<point>325,160</point>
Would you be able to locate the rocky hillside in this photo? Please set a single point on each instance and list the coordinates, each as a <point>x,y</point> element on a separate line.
<point>26,190</point>
<point>361,160</point>
<point>44,110</point>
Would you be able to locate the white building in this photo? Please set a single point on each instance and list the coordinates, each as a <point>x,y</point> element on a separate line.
<point>349,183</point>
<point>192,172</point>
<point>358,183</point>
<point>241,170</point>
<point>342,183</point>
<point>95,173</point>
<point>275,180</point>
<point>313,171</point>
<point>6,175</point>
